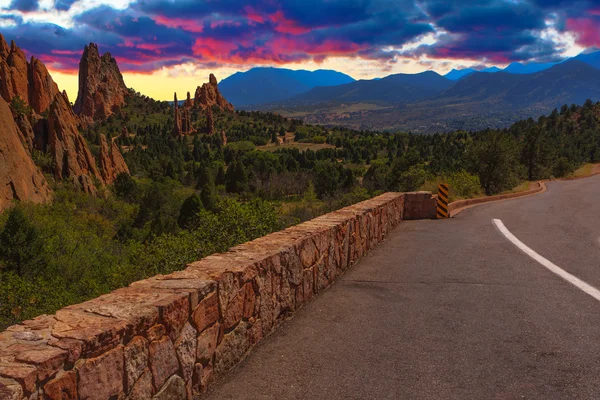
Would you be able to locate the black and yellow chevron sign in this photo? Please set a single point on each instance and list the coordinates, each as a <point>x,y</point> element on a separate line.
<point>442,201</point>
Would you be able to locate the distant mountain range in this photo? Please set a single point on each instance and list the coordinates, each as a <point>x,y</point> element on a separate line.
<point>424,102</point>
<point>457,74</point>
<point>428,102</point>
<point>267,85</point>
<point>393,89</point>
<point>592,59</point>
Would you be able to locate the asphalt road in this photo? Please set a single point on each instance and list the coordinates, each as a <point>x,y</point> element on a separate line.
<point>450,310</point>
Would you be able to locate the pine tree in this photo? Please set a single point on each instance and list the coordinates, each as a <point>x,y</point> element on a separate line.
<point>204,176</point>
<point>236,179</point>
<point>209,197</point>
<point>220,179</point>
<point>189,211</point>
<point>20,245</point>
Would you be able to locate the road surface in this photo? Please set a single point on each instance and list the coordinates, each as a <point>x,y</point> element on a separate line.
<point>450,310</point>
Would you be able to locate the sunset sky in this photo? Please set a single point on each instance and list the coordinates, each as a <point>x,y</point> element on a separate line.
<point>164,46</point>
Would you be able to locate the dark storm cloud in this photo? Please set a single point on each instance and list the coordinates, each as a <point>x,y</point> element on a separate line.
<point>151,34</point>
<point>24,5</point>
<point>64,5</point>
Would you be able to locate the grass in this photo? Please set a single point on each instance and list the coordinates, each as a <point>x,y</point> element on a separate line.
<point>523,187</point>
<point>585,170</point>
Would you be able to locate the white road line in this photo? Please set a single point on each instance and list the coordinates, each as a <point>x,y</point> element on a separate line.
<point>592,291</point>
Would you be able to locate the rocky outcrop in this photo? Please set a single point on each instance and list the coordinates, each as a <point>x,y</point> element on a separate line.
<point>30,81</point>
<point>101,89</point>
<point>26,132</point>
<point>20,179</point>
<point>208,95</point>
<point>42,87</point>
<point>72,156</point>
<point>182,123</point>
<point>111,161</point>
<point>101,85</point>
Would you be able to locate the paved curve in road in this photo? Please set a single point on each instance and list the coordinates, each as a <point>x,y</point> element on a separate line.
<point>450,310</point>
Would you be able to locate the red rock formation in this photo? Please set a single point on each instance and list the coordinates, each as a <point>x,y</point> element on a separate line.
<point>182,123</point>
<point>176,118</point>
<point>30,81</point>
<point>101,85</point>
<point>111,161</point>
<point>26,133</point>
<point>208,95</point>
<point>188,102</point>
<point>4,49</point>
<point>20,179</point>
<point>42,88</point>
<point>72,156</point>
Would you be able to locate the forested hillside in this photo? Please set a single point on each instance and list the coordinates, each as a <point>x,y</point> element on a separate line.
<point>190,196</point>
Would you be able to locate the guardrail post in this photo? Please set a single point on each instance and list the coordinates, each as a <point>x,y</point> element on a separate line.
<point>442,201</point>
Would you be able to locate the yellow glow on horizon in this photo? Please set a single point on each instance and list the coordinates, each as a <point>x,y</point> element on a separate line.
<point>161,84</point>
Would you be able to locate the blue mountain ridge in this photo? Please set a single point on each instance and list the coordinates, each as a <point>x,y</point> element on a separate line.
<point>266,85</point>
<point>591,58</point>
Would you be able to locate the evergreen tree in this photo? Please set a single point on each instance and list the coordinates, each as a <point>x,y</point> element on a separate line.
<point>220,178</point>
<point>126,188</point>
<point>189,211</point>
<point>20,245</point>
<point>493,159</point>
<point>236,178</point>
<point>204,176</point>
<point>536,153</point>
<point>209,197</point>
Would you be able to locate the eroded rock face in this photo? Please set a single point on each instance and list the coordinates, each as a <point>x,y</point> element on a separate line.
<point>20,179</point>
<point>208,95</point>
<point>101,85</point>
<point>42,87</point>
<point>111,161</point>
<point>73,159</point>
<point>182,123</point>
<point>29,81</point>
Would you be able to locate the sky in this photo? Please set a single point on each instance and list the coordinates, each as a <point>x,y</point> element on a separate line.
<point>163,46</point>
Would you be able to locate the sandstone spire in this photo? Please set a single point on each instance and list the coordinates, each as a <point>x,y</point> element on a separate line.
<point>4,49</point>
<point>176,119</point>
<point>30,81</point>
<point>182,123</point>
<point>101,85</point>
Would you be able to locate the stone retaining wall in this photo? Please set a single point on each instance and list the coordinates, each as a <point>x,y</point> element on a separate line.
<point>168,337</point>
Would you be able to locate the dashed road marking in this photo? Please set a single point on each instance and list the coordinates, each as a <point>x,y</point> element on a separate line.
<point>589,289</point>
